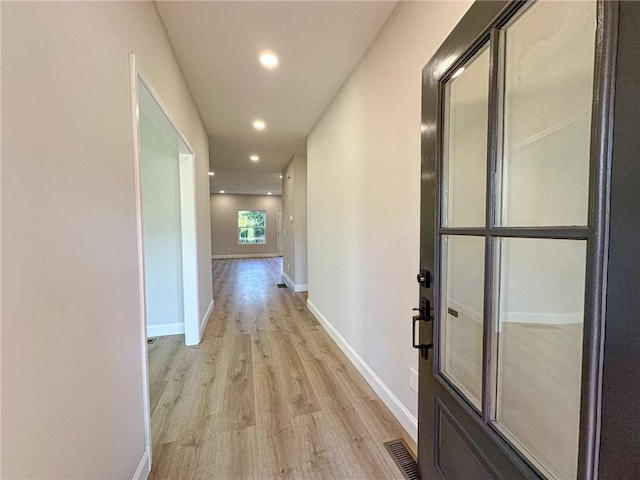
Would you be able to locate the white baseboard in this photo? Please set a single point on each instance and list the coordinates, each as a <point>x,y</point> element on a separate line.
<point>288,281</point>
<point>300,287</point>
<point>402,413</point>
<point>243,255</point>
<point>205,319</point>
<point>144,467</point>
<point>165,329</point>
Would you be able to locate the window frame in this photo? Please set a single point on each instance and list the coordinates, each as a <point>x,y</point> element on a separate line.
<point>264,227</point>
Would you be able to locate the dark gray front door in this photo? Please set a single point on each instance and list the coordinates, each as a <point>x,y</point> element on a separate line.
<point>517,162</point>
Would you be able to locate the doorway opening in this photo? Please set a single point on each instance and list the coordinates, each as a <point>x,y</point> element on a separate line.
<point>164,165</point>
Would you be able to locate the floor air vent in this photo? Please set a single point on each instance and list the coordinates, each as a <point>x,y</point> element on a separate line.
<point>282,285</point>
<point>404,459</point>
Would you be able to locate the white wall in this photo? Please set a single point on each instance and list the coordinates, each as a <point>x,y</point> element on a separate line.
<point>294,220</point>
<point>224,223</point>
<point>162,232</point>
<point>71,358</point>
<point>364,197</point>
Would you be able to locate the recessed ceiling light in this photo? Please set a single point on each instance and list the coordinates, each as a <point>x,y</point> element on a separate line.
<point>259,125</point>
<point>211,174</point>
<point>457,73</point>
<point>254,158</point>
<point>221,191</point>
<point>280,176</point>
<point>269,60</point>
<point>269,193</point>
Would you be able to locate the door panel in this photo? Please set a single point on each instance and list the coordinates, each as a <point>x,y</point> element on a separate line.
<point>511,225</point>
<point>457,456</point>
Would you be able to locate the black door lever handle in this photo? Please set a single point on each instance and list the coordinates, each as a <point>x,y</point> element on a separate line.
<point>424,314</point>
<point>424,310</point>
<point>418,345</point>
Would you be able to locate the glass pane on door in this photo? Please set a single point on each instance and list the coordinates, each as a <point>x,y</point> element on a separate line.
<point>539,329</point>
<point>465,144</point>
<point>548,92</point>
<point>461,310</point>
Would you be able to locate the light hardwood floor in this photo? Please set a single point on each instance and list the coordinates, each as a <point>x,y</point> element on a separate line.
<point>266,395</point>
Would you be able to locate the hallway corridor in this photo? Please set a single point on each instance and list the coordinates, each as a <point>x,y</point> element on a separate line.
<point>267,394</point>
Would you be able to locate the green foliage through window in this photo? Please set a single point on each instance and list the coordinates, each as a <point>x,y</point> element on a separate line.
<point>252,227</point>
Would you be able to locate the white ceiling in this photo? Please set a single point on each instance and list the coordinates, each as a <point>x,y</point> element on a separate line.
<point>218,44</point>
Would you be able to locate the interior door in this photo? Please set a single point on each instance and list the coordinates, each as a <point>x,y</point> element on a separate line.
<point>515,162</point>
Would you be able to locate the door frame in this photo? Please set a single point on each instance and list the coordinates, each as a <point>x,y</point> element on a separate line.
<point>279,242</point>
<point>189,229</point>
<point>477,27</point>
<point>619,449</point>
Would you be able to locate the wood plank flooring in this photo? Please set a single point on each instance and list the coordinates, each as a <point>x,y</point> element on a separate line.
<point>266,395</point>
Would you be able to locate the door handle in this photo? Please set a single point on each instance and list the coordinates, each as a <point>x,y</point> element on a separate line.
<point>424,315</point>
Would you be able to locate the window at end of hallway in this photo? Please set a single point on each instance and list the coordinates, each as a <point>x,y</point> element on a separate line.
<point>252,226</point>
